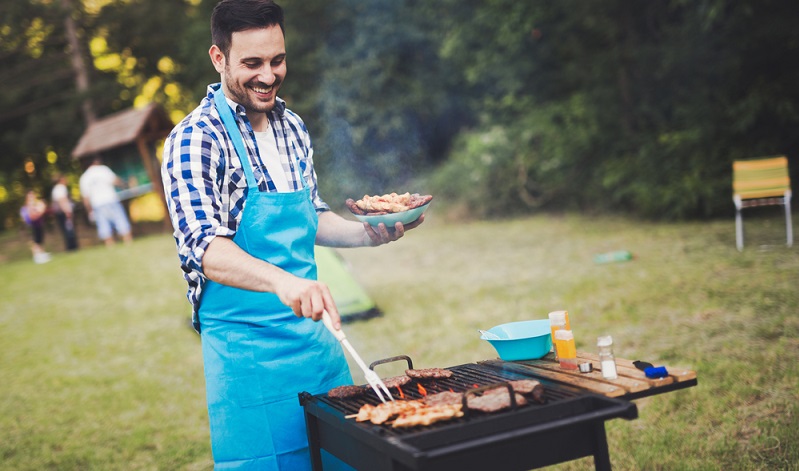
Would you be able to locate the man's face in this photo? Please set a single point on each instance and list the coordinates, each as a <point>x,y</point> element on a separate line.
<point>255,68</point>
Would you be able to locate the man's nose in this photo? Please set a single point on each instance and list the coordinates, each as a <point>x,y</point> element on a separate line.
<point>266,75</point>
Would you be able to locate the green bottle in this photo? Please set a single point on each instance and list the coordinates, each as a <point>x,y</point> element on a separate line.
<point>611,257</point>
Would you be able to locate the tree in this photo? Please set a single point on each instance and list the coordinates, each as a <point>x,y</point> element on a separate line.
<point>64,65</point>
<point>635,107</point>
<point>38,115</point>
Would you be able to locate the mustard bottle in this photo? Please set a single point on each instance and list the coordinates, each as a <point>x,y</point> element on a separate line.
<point>566,348</point>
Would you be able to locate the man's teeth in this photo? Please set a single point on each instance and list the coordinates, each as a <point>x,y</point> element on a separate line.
<point>262,90</point>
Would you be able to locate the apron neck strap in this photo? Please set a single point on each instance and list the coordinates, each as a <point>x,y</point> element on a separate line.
<point>229,121</point>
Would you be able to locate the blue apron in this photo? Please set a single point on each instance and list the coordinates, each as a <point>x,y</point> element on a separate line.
<point>257,354</point>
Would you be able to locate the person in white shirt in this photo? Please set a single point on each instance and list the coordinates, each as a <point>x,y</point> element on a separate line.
<point>63,211</point>
<point>98,189</point>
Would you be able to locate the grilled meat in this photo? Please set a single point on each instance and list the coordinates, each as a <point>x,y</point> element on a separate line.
<point>397,381</point>
<point>343,392</point>
<point>385,411</point>
<point>493,400</point>
<point>388,203</point>
<point>429,373</point>
<point>428,415</point>
<point>529,387</point>
<point>444,398</point>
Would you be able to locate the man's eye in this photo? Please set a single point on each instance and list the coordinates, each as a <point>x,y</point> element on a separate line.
<point>252,65</point>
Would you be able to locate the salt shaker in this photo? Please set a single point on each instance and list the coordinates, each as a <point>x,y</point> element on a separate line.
<point>606,359</point>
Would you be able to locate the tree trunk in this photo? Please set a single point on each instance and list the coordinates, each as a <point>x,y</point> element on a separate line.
<point>78,64</point>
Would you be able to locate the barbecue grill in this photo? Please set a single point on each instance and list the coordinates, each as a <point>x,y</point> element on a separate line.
<point>569,424</point>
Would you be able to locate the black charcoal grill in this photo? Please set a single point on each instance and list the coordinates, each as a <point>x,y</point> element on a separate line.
<point>569,424</point>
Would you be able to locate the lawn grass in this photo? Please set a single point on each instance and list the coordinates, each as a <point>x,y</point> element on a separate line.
<point>99,369</point>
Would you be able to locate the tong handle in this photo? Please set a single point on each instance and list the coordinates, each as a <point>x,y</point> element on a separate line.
<point>328,321</point>
<point>339,334</point>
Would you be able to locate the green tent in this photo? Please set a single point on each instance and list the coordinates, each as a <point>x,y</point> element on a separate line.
<point>351,299</point>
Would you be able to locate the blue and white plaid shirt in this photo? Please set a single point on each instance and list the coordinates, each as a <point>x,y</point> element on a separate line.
<point>205,185</point>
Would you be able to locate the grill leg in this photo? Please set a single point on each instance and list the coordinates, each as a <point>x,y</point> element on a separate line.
<point>314,446</point>
<point>601,454</point>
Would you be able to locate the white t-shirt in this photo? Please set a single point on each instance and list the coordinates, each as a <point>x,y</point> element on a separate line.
<point>97,185</point>
<point>267,148</point>
<point>59,194</point>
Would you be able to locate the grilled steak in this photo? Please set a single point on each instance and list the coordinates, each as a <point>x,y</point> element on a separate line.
<point>397,381</point>
<point>444,398</point>
<point>529,386</point>
<point>493,400</point>
<point>343,392</point>
<point>429,373</point>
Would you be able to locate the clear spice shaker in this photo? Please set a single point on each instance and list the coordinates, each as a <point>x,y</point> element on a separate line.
<point>607,360</point>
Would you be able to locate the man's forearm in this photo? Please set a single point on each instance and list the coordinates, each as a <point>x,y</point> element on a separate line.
<point>335,231</point>
<point>226,263</point>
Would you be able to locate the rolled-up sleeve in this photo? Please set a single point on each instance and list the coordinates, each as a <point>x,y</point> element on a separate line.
<point>193,172</point>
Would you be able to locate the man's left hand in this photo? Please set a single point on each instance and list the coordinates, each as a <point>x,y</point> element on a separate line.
<point>383,235</point>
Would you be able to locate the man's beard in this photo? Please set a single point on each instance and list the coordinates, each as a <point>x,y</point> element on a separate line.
<point>240,94</point>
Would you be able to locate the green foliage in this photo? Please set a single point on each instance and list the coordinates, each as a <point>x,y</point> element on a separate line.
<point>643,106</point>
<point>614,106</point>
<point>521,166</point>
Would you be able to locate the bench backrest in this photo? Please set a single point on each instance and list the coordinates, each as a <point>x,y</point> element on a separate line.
<point>761,178</point>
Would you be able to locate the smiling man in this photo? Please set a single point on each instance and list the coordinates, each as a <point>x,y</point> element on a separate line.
<point>242,195</point>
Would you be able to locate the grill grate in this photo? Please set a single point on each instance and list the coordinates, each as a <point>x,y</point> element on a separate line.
<point>464,377</point>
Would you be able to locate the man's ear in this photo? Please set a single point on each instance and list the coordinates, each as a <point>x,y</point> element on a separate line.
<point>217,58</point>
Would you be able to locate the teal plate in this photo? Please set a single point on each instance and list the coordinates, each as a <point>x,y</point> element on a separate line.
<point>390,219</point>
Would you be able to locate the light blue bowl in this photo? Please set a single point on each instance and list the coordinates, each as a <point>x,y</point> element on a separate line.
<point>523,340</point>
<point>390,219</point>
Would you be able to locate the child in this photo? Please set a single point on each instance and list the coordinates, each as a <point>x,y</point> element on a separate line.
<point>33,214</point>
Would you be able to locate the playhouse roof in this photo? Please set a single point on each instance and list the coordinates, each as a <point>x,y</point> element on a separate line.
<point>122,128</point>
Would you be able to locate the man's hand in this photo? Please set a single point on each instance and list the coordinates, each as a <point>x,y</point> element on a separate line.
<point>383,235</point>
<point>307,298</point>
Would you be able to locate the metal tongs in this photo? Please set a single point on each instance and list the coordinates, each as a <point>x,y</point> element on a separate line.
<point>371,377</point>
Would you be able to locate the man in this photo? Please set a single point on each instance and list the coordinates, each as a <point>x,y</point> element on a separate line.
<point>98,190</point>
<point>63,211</point>
<point>241,189</point>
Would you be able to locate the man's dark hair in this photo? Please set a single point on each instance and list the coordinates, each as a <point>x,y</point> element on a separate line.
<point>231,16</point>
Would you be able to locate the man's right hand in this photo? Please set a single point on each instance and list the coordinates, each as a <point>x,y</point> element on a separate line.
<point>307,298</point>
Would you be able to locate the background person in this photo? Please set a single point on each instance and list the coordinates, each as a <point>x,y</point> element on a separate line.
<point>33,213</point>
<point>98,189</point>
<point>242,195</point>
<point>63,211</point>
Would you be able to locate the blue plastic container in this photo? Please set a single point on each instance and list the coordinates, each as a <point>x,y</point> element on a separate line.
<point>523,340</point>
